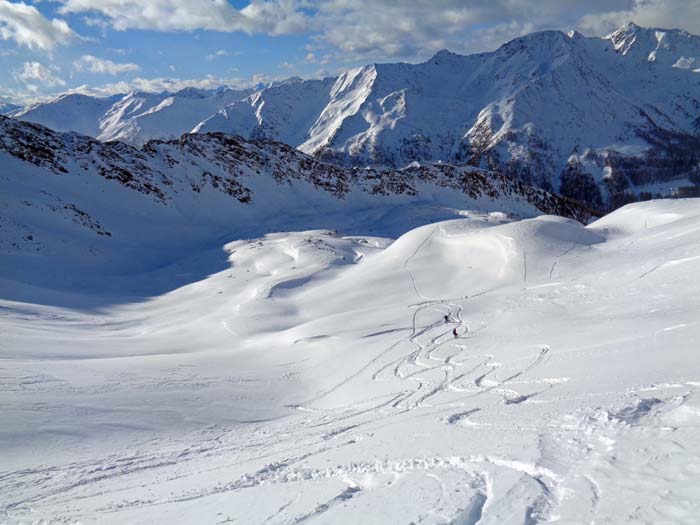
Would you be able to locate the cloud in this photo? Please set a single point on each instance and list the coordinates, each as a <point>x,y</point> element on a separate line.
<point>28,27</point>
<point>274,17</point>
<point>36,76</point>
<point>220,53</point>
<point>683,14</point>
<point>98,65</point>
<point>157,85</point>
<point>33,94</point>
<point>311,58</point>
<point>363,30</point>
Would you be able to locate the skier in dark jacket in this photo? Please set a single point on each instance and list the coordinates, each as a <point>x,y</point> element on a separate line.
<point>454,332</point>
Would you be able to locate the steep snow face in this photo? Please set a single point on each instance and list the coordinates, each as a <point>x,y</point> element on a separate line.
<point>473,370</point>
<point>282,112</point>
<point>134,118</point>
<point>79,113</point>
<point>137,119</point>
<point>348,94</point>
<point>667,47</point>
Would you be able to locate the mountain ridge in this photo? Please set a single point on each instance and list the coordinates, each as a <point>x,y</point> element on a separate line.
<point>538,108</point>
<point>109,205</point>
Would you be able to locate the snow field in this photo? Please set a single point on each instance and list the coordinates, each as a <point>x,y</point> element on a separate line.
<point>315,379</point>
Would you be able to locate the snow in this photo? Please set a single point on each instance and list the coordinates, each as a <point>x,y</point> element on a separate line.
<point>310,376</point>
<point>133,117</point>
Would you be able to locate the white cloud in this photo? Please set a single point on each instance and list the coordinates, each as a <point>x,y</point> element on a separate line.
<point>98,65</point>
<point>36,76</point>
<point>274,17</point>
<point>340,31</point>
<point>33,93</point>
<point>157,85</point>
<point>28,27</point>
<point>220,53</point>
<point>363,30</point>
<point>311,58</point>
<point>683,14</point>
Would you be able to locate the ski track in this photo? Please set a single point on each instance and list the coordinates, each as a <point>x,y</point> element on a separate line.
<point>430,337</point>
<point>428,373</point>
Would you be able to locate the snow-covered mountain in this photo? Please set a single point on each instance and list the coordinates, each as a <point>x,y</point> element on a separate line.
<point>93,204</point>
<point>599,119</point>
<point>163,361</point>
<point>134,118</point>
<point>8,107</point>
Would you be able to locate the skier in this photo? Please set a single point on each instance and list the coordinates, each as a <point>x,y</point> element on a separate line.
<point>454,332</point>
<point>447,318</point>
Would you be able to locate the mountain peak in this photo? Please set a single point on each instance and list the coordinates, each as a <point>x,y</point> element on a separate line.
<point>548,41</point>
<point>663,46</point>
<point>442,54</point>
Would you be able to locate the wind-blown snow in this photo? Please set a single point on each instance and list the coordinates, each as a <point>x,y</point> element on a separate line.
<point>315,378</point>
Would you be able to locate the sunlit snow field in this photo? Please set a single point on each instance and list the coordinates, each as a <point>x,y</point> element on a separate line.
<point>317,378</point>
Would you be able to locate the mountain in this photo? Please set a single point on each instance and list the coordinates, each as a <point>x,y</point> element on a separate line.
<point>218,328</point>
<point>7,107</point>
<point>79,202</point>
<point>178,347</point>
<point>134,117</point>
<point>604,120</point>
<point>536,107</point>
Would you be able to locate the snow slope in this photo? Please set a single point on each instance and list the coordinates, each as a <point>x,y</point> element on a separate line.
<point>134,117</point>
<point>7,107</point>
<point>217,330</point>
<point>314,378</point>
<point>111,209</point>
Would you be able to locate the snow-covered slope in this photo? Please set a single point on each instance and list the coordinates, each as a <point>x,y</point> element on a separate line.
<point>284,112</point>
<point>134,117</point>
<point>8,107</point>
<point>137,118</point>
<point>213,329</point>
<point>111,207</point>
<point>475,370</point>
<point>74,112</point>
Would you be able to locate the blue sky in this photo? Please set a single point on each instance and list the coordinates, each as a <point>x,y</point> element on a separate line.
<point>109,46</point>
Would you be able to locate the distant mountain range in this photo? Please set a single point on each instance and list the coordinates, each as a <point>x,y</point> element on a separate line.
<point>602,120</point>
<point>8,107</point>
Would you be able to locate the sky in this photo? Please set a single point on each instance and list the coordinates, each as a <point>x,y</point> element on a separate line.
<point>104,47</point>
